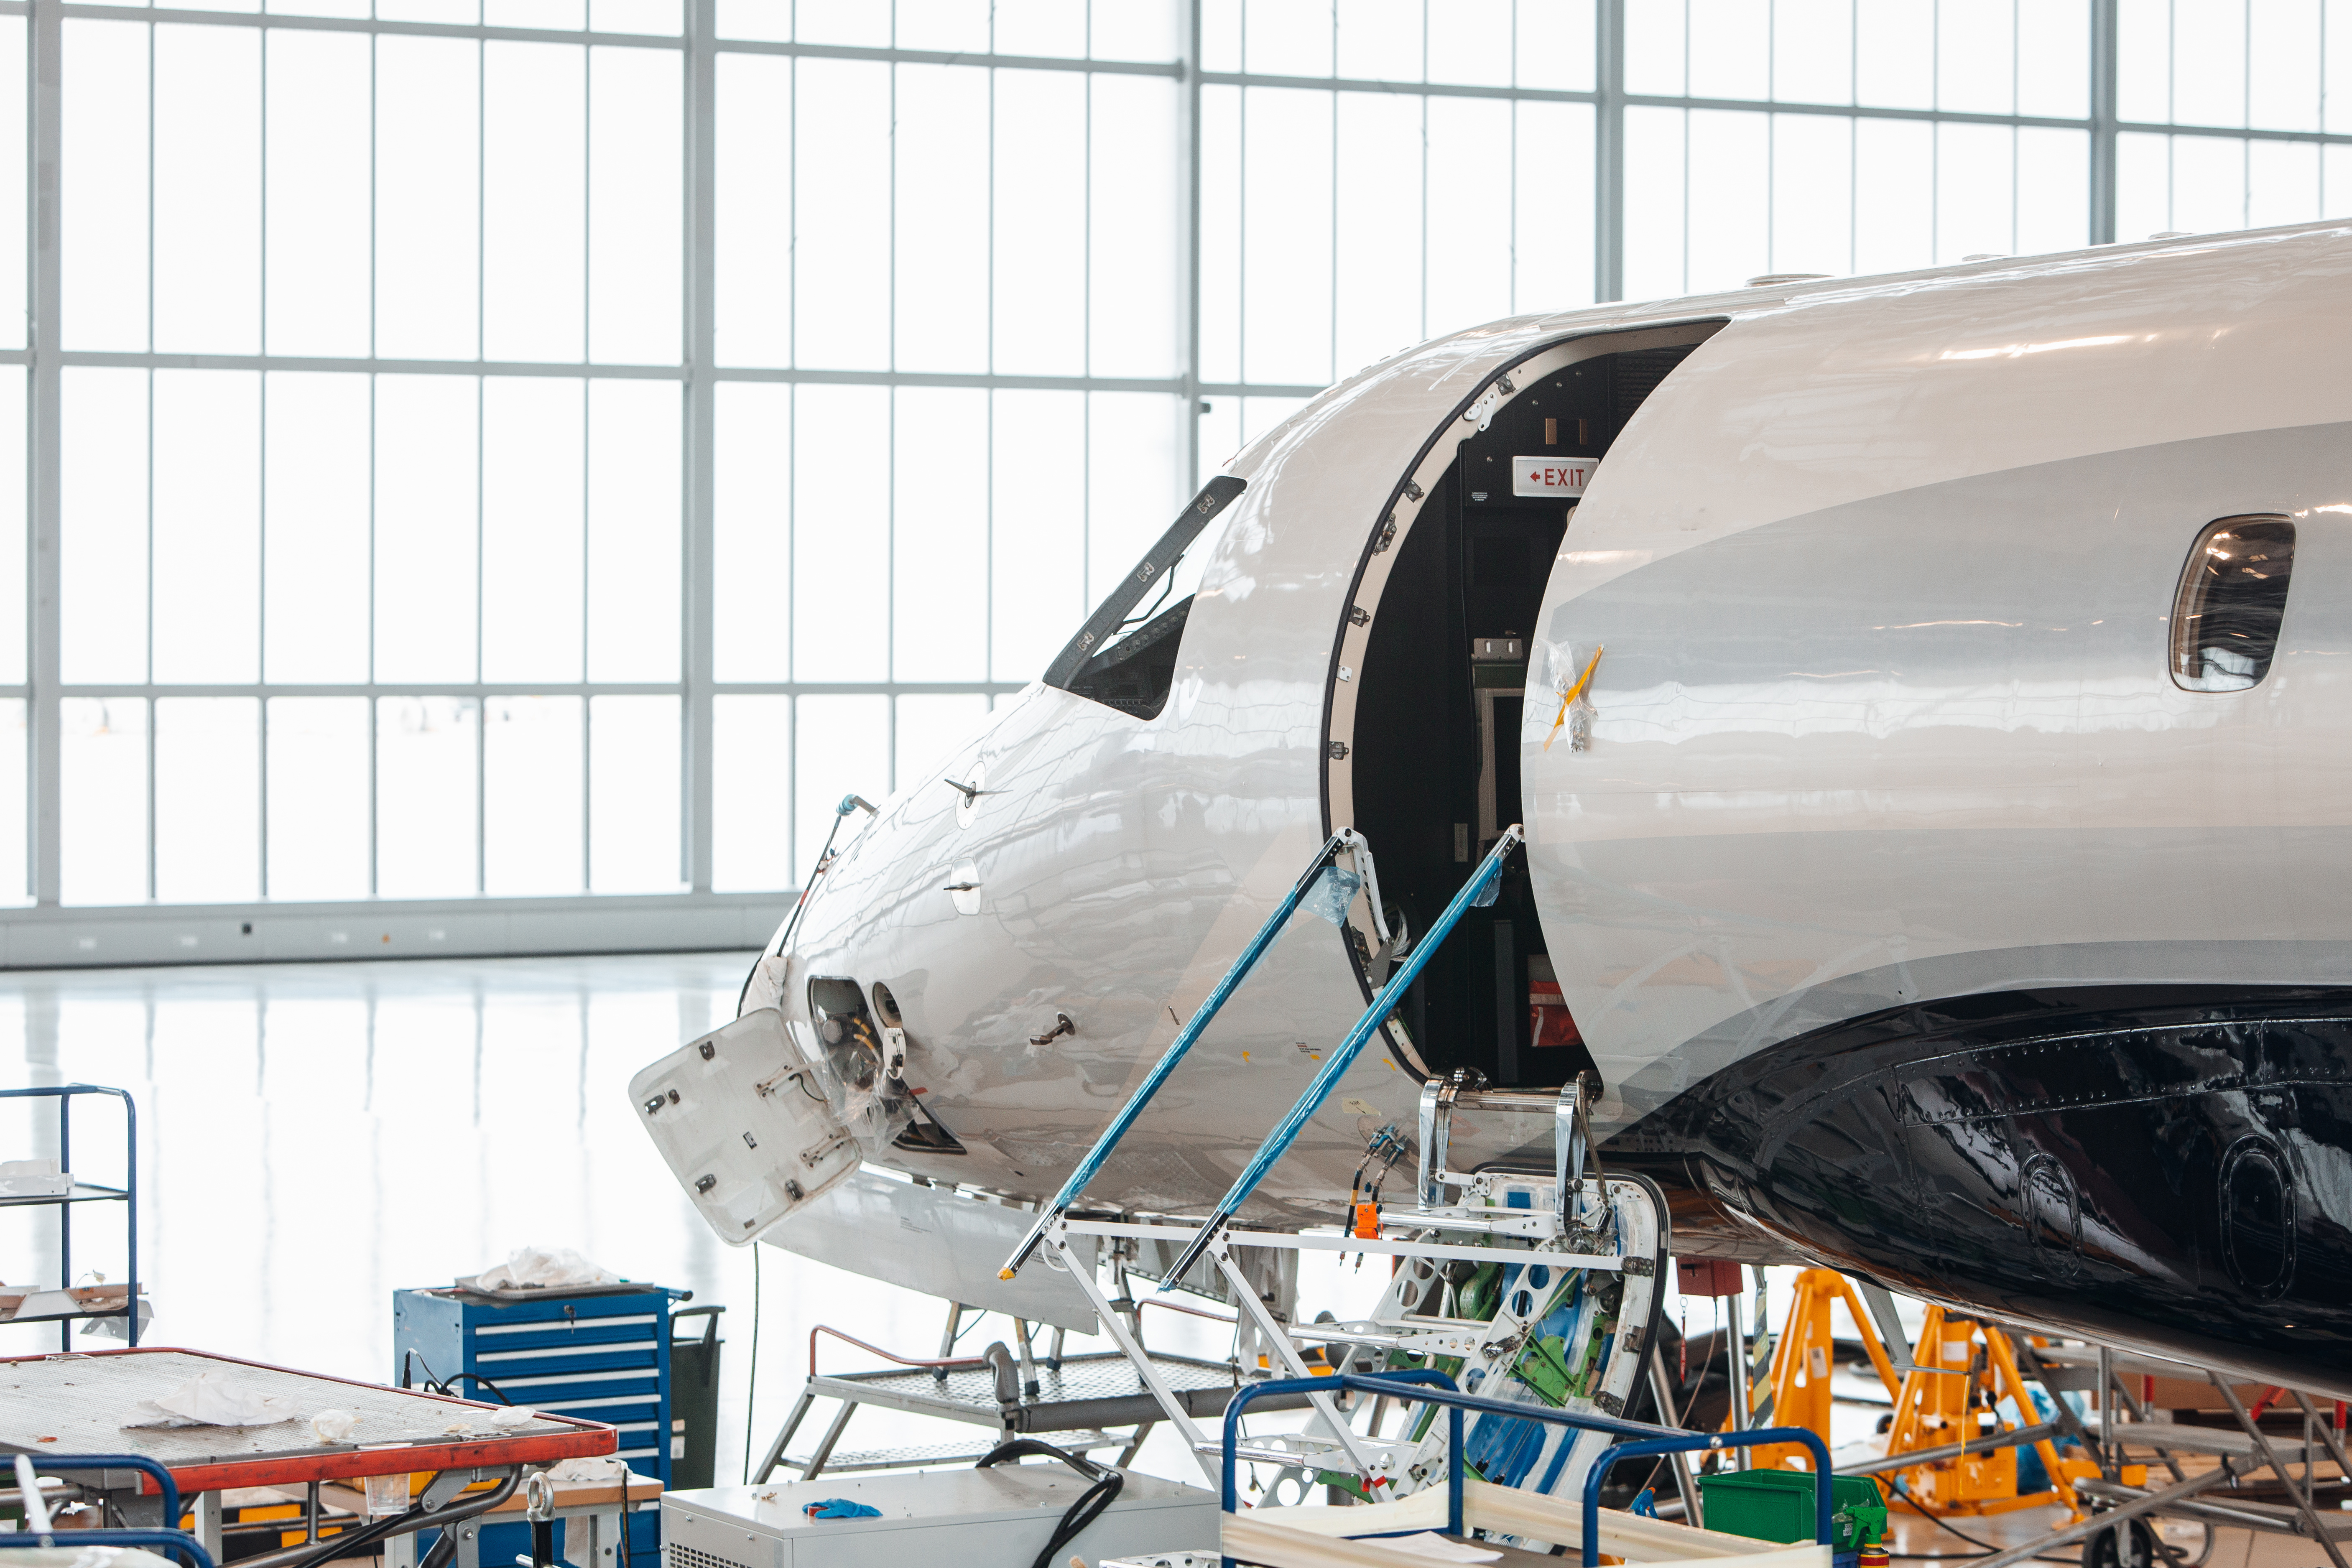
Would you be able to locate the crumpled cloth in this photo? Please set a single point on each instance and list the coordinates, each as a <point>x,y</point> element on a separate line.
<point>212,1399</point>
<point>33,1178</point>
<point>590,1470</point>
<point>542,1267</point>
<point>843,1508</point>
<point>334,1426</point>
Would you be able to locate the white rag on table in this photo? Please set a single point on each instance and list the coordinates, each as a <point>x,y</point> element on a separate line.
<point>212,1399</point>
<point>543,1268</point>
<point>586,1470</point>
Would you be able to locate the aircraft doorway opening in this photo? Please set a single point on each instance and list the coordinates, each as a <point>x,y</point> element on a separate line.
<point>1442,694</point>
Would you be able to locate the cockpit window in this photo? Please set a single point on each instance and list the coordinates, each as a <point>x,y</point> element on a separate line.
<point>2225,618</point>
<point>1125,656</point>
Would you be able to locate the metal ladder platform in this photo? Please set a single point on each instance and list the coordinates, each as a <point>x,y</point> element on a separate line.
<point>2212,1495</point>
<point>1074,1405</point>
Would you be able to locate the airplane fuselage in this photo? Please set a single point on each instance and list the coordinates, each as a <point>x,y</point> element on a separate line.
<point>1919,914</point>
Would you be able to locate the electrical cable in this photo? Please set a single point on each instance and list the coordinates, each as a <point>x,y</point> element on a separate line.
<point>432,1384</point>
<point>312,1553</point>
<point>784,937</point>
<point>1984,1548</point>
<point>504,1397</point>
<point>751,1393</point>
<point>1091,1504</point>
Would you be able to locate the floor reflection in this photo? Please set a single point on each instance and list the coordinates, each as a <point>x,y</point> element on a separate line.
<point>312,1137</point>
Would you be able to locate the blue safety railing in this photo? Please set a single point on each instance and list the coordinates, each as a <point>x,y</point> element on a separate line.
<point>1425,1387</point>
<point>174,1541</point>
<point>1476,893</point>
<point>178,1541</point>
<point>1227,983</point>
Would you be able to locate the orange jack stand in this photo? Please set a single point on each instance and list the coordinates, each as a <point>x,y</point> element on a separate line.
<point>1801,1361</point>
<point>1936,1408</point>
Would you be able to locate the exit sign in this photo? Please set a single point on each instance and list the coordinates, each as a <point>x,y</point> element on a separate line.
<point>1563,477</point>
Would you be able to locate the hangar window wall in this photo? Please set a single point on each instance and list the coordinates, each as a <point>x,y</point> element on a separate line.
<point>517,449</point>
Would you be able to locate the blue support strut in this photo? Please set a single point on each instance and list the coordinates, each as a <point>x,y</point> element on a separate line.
<point>1286,1131</point>
<point>1091,1166</point>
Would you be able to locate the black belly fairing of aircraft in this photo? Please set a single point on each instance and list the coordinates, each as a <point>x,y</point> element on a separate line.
<point>2164,1166</point>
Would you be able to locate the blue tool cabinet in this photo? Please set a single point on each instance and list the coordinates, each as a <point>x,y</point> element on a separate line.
<point>601,1355</point>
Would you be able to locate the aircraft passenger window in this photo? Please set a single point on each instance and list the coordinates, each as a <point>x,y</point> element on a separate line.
<point>2233,596</point>
<point>1125,656</point>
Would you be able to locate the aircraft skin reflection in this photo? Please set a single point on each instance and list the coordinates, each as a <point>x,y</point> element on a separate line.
<point>1917,918</point>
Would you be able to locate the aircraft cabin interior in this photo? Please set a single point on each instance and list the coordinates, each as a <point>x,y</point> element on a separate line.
<point>1437,726</point>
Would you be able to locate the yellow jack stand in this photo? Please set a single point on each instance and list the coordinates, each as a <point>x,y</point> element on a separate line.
<point>1936,1408</point>
<point>1933,1409</point>
<point>1802,1360</point>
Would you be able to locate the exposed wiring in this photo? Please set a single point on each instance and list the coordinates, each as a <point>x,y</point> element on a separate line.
<point>431,1384</point>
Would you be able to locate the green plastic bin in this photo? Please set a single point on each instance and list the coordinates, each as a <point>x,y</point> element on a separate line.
<point>1778,1505</point>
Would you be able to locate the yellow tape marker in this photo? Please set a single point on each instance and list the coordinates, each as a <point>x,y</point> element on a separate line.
<point>1572,693</point>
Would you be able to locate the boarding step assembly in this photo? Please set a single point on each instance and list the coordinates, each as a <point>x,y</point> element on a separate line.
<point>1563,1267</point>
<point>1532,1286</point>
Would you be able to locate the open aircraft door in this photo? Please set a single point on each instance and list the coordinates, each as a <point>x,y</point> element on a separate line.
<point>742,1117</point>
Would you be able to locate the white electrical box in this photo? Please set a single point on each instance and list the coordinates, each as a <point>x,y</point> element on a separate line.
<point>997,1518</point>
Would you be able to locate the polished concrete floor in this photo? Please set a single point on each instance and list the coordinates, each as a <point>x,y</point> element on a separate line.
<point>313,1137</point>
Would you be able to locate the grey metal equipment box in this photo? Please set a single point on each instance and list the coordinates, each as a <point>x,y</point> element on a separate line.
<point>997,1518</point>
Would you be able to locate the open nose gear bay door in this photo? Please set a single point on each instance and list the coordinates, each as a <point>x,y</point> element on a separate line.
<point>744,1120</point>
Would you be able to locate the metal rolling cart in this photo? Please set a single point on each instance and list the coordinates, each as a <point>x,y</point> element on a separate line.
<point>53,1407</point>
<point>69,1304</point>
<point>601,1352</point>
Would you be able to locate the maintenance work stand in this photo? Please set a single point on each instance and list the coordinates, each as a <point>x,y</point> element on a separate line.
<point>56,1407</point>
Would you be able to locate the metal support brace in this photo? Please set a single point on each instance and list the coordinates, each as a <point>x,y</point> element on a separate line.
<point>948,1339</point>
<point>1055,1241</point>
<point>1662,1388</point>
<point>1477,892</point>
<point>832,1435</point>
<point>1092,1161</point>
<point>1021,1332</point>
<point>1280,1345</point>
<point>2107,1467</point>
<point>1881,1302</point>
<point>776,1455</point>
<point>1437,1096</point>
<point>2083,1530</point>
<point>2327,1434</point>
<point>2270,1456</point>
<point>1571,1147</point>
<point>206,1507</point>
<point>1735,1346</point>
